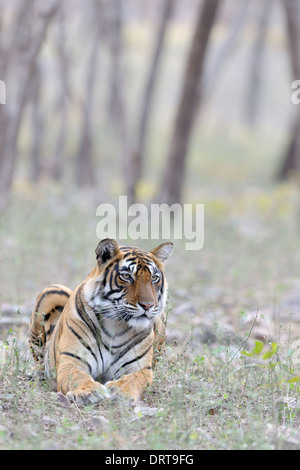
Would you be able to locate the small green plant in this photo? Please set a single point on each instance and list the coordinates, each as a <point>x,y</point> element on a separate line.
<point>258,351</point>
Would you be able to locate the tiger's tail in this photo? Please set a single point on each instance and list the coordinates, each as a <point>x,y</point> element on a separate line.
<point>49,305</point>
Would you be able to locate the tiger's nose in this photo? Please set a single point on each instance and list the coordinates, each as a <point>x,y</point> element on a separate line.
<point>146,305</point>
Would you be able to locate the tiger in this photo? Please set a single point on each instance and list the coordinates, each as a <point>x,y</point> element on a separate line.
<point>100,340</point>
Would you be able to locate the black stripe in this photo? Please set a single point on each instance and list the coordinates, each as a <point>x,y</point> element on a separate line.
<point>105,331</point>
<point>128,341</point>
<point>106,347</point>
<point>83,342</point>
<point>113,275</point>
<point>58,308</point>
<point>82,313</point>
<point>50,331</point>
<point>36,342</point>
<point>108,267</point>
<point>138,255</point>
<point>130,346</point>
<point>130,257</point>
<point>162,282</point>
<point>105,274</point>
<point>115,299</point>
<point>87,320</point>
<point>66,353</point>
<point>101,356</point>
<point>115,335</point>
<point>78,325</point>
<point>114,291</point>
<point>135,359</point>
<point>51,292</point>
<point>54,345</point>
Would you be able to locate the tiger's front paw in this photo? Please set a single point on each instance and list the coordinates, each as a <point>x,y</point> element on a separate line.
<point>118,390</point>
<point>90,395</point>
<point>114,388</point>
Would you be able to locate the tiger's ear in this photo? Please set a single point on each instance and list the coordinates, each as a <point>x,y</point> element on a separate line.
<point>106,250</point>
<point>162,252</point>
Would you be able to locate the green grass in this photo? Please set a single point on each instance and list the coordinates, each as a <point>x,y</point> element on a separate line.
<point>215,399</point>
<point>207,394</point>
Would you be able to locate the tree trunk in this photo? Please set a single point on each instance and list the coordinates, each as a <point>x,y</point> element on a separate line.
<point>291,160</point>
<point>113,27</point>
<point>63,63</point>
<point>85,172</point>
<point>116,104</point>
<point>173,177</point>
<point>253,98</point>
<point>14,119</point>
<point>37,127</point>
<point>137,157</point>
<point>10,55</point>
<point>212,74</point>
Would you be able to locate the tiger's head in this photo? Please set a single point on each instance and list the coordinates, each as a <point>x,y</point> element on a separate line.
<point>129,283</point>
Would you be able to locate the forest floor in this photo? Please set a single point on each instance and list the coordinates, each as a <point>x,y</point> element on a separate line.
<point>229,378</point>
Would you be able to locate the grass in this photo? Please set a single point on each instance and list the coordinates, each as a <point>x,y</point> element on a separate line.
<point>212,400</point>
<point>212,388</point>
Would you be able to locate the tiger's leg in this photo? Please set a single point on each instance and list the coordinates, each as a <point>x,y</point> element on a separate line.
<point>132,385</point>
<point>159,336</point>
<point>72,355</point>
<point>77,383</point>
<point>48,307</point>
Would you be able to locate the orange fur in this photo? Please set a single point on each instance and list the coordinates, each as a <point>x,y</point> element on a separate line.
<point>103,336</point>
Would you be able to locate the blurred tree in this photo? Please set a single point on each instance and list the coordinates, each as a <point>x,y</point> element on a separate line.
<point>85,173</point>
<point>9,115</point>
<point>137,156</point>
<point>113,33</point>
<point>256,63</point>
<point>291,160</point>
<point>23,50</point>
<point>64,94</point>
<point>37,126</point>
<point>212,73</point>
<point>174,172</point>
<point>117,112</point>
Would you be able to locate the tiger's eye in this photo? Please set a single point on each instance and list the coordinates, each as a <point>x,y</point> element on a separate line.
<point>126,277</point>
<point>156,278</point>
